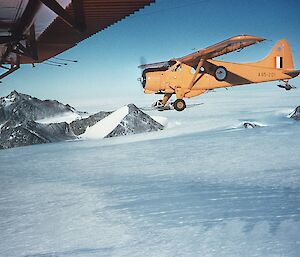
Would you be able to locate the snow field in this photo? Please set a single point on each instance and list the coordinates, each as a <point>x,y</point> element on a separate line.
<point>195,189</point>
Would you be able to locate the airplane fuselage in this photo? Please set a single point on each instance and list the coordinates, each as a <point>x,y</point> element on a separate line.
<point>177,77</point>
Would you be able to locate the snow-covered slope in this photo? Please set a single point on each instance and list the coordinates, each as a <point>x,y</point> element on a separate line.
<point>102,128</point>
<point>127,120</point>
<point>79,126</point>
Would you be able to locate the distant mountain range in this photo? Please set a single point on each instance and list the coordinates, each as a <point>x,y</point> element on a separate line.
<point>20,115</point>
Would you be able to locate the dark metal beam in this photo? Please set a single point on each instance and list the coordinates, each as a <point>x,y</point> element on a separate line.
<point>6,53</point>
<point>11,70</point>
<point>31,43</point>
<point>4,67</point>
<point>5,25</point>
<point>5,39</point>
<point>79,14</point>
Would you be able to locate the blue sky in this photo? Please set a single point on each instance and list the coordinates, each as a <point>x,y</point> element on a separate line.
<point>108,61</point>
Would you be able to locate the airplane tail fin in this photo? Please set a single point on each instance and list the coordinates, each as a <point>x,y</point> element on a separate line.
<point>279,58</point>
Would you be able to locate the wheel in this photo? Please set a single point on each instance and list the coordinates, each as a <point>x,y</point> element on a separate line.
<point>221,73</point>
<point>179,105</point>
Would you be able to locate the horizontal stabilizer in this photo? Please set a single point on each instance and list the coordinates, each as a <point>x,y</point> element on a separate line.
<point>293,73</point>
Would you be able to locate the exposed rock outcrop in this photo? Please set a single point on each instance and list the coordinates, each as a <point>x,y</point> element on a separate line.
<point>251,125</point>
<point>295,114</point>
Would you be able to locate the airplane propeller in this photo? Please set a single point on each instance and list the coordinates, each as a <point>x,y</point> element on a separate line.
<point>143,62</point>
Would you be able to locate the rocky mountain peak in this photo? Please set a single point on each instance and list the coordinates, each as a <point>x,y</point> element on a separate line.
<point>16,96</point>
<point>21,107</point>
<point>295,114</point>
<point>9,99</point>
<point>13,95</point>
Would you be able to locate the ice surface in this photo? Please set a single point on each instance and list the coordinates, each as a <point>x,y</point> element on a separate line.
<point>103,127</point>
<point>196,188</point>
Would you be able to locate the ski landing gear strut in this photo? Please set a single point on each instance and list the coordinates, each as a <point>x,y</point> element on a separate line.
<point>161,105</point>
<point>286,85</point>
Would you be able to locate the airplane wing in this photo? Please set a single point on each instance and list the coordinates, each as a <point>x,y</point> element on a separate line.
<point>32,31</point>
<point>224,47</point>
<point>157,65</point>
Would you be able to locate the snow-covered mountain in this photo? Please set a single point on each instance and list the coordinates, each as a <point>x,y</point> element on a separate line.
<point>23,121</point>
<point>19,113</point>
<point>18,107</point>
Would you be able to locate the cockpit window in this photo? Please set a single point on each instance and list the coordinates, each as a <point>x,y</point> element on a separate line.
<point>192,70</point>
<point>171,63</point>
<point>178,67</point>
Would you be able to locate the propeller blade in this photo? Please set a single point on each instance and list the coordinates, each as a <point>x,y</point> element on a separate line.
<point>143,61</point>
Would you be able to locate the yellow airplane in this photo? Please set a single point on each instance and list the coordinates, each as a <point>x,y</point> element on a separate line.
<point>196,73</point>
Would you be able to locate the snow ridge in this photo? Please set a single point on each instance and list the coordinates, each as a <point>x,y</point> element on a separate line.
<point>105,126</point>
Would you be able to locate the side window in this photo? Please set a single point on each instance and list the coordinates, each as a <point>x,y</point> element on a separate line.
<point>202,69</point>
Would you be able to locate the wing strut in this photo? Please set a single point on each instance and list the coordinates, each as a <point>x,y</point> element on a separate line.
<point>10,70</point>
<point>201,62</point>
<point>77,23</point>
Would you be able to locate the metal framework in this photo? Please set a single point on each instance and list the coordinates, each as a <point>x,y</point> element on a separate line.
<point>26,45</point>
<point>78,21</point>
